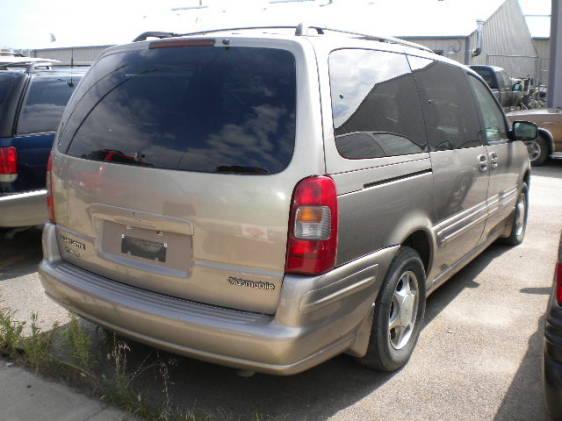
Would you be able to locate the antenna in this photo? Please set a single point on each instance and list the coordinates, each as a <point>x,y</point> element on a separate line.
<point>71,82</point>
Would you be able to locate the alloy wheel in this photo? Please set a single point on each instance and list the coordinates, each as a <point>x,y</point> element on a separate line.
<point>534,149</point>
<point>403,310</point>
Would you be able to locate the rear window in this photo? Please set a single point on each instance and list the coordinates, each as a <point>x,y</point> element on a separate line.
<point>203,109</point>
<point>487,75</point>
<point>44,103</point>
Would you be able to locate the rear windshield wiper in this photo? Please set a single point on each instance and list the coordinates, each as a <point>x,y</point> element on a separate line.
<point>240,169</point>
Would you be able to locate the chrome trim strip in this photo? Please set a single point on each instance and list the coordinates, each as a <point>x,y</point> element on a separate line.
<point>463,229</point>
<point>460,223</point>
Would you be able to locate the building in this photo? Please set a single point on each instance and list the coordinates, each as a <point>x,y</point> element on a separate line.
<point>495,33</point>
<point>539,26</point>
<point>477,32</point>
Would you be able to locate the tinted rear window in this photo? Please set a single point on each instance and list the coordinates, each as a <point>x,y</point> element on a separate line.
<point>487,75</point>
<point>44,103</point>
<point>203,109</point>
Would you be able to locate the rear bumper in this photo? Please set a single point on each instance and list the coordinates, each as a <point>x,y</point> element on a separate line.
<point>23,209</point>
<point>317,317</point>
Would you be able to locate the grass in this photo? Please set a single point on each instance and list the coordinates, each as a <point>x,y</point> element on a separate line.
<point>35,350</point>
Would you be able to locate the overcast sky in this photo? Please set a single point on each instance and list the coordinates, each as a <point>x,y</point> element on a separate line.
<point>29,23</point>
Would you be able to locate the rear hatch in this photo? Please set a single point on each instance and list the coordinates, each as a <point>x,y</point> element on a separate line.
<point>176,164</point>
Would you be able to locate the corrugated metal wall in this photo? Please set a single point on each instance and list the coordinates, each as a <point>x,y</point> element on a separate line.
<point>508,43</point>
<point>543,51</point>
<point>82,55</point>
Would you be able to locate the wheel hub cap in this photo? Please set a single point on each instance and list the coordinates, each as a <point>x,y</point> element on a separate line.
<point>534,150</point>
<point>403,310</point>
<point>520,215</point>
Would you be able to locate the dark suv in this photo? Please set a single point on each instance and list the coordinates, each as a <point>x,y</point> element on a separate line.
<point>32,99</point>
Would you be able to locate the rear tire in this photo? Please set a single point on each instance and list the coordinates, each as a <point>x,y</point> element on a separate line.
<point>538,151</point>
<point>401,302</point>
<point>519,224</point>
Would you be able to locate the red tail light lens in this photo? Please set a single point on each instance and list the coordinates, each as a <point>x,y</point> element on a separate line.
<point>50,190</point>
<point>559,283</point>
<point>8,164</point>
<point>313,227</point>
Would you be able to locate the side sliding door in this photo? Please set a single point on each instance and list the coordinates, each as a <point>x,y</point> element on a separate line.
<point>458,158</point>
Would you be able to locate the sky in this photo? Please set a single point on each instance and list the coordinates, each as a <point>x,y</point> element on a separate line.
<point>28,24</point>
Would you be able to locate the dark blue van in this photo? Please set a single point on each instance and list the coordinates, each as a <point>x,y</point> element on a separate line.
<point>32,99</point>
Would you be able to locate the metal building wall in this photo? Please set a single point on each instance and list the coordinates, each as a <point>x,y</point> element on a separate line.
<point>542,45</point>
<point>82,55</point>
<point>507,42</point>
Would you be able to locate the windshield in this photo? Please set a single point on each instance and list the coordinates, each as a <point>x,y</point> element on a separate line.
<point>203,109</point>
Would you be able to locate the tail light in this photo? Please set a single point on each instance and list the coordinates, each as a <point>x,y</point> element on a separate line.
<point>559,283</point>
<point>8,164</point>
<point>50,190</point>
<point>313,227</point>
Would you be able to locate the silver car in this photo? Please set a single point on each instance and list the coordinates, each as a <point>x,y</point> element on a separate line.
<point>267,199</point>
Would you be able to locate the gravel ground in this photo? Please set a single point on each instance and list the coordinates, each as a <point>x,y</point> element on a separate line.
<point>478,358</point>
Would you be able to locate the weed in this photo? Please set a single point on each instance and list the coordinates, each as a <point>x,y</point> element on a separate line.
<point>79,343</point>
<point>11,334</point>
<point>37,346</point>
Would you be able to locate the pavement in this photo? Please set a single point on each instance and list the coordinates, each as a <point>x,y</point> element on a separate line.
<point>478,358</point>
<point>26,397</point>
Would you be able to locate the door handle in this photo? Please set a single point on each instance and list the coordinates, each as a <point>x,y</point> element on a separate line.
<point>494,160</point>
<point>483,162</point>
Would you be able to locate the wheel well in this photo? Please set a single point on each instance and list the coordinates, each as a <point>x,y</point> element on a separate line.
<point>421,243</point>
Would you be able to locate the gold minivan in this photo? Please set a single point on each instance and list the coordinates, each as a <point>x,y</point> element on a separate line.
<point>268,198</point>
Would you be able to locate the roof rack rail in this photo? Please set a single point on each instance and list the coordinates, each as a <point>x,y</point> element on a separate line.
<point>154,34</point>
<point>301,29</point>
<point>29,66</point>
<point>391,40</point>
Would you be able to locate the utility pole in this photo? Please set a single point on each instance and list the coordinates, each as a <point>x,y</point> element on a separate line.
<point>555,79</point>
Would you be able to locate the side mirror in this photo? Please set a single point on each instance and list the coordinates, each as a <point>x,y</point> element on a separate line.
<point>524,130</point>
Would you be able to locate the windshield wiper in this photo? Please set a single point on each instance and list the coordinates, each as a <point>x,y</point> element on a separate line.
<point>240,169</point>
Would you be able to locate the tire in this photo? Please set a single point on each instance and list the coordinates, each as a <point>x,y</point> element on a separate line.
<point>390,349</point>
<point>519,224</point>
<point>538,151</point>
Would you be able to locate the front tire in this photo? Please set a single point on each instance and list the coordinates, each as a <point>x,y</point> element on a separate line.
<point>538,151</point>
<point>519,224</point>
<point>399,311</point>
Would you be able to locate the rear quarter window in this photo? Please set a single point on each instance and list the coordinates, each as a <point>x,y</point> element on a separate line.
<point>202,109</point>
<point>10,88</point>
<point>375,107</point>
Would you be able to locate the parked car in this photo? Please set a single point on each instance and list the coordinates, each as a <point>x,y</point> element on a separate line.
<point>32,99</point>
<point>268,201</point>
<point>507,92</point>
<point>548,144</point>
<point>553,345</point>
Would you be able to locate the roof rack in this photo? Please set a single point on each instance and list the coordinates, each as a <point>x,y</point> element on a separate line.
<point>154,34</point>
<point>301,29</point>
<point>28,66</point>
